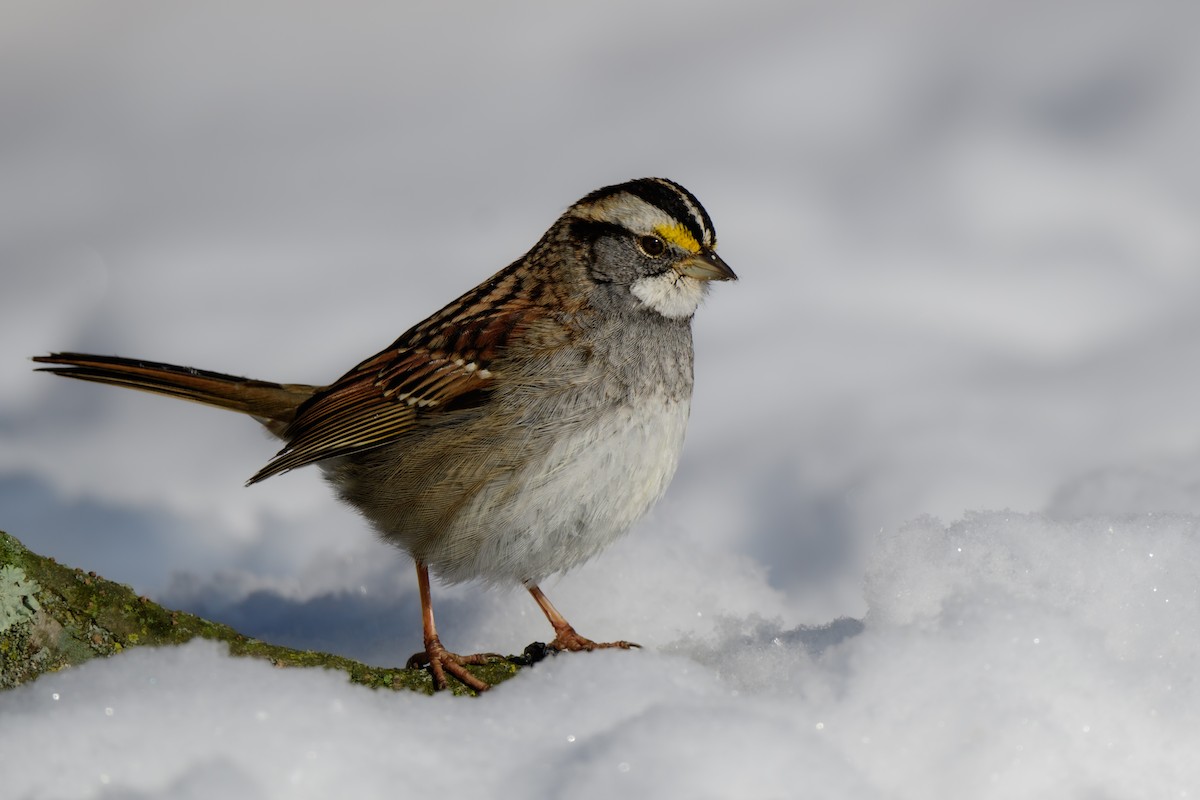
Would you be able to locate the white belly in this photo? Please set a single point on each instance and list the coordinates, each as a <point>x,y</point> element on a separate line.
<point>588,490</point>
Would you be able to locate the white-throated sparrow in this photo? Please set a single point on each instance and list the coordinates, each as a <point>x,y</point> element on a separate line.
<point>519,430</point>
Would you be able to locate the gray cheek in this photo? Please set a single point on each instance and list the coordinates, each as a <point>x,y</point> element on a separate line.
<point>616,261</point>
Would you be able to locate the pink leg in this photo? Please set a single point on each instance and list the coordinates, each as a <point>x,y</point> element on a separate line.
<point>565,637</point>
<point>439,659</point>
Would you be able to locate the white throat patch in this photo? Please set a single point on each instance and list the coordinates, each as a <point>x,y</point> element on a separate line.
<point>673,295</point>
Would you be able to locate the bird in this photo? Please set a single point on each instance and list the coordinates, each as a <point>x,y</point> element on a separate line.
<point>516,432</point>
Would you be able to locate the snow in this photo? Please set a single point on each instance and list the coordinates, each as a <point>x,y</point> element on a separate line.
<point>935,529</point>
<point>1002,656</point>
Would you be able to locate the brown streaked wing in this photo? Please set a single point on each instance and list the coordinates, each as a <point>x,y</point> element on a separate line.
<point>362,410</point>
<point>383,397</point>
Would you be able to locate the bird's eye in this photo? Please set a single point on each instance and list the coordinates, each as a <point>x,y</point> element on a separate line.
<point>652,246</point>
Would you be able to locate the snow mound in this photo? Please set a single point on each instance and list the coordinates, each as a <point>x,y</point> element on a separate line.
<point>1004,655</point>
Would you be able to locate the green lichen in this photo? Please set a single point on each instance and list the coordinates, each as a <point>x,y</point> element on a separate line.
<point>61,617</point>
<point>18,600</point>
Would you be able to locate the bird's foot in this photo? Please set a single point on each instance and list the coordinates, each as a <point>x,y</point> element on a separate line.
<point>441,661</point>
<point>566,639</point>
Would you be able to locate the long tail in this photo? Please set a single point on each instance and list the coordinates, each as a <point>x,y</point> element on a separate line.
<point>272,404</point>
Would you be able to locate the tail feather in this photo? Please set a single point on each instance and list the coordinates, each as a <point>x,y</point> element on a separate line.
<point>273,404</point>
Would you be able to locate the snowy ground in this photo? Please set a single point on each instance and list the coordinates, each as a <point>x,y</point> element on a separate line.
<point>937,526</point>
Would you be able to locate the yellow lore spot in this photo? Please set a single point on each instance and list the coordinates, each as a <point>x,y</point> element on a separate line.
<point>679,236</point>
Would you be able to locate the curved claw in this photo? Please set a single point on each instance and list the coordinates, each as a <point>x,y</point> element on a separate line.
<point>566,639</point>
<point>440,661</point>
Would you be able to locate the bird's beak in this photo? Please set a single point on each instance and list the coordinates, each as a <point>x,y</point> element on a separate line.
<point>706,266</point>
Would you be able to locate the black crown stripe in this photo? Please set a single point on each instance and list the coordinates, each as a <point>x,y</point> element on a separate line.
<point>670,198</point>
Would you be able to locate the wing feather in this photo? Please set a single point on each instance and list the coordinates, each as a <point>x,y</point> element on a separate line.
<point>390,393</point>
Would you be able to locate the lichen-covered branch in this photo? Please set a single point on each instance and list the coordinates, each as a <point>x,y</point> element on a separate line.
<point>53,617</point>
